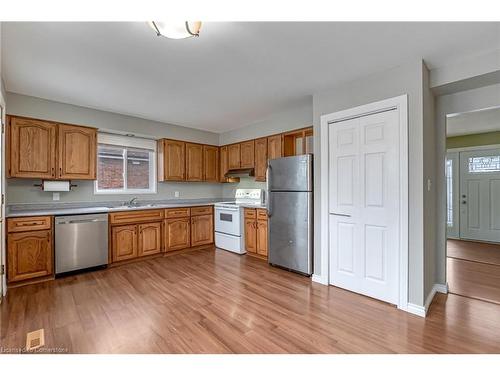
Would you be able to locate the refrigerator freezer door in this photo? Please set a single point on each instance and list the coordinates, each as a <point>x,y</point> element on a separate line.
<point>290,230</point>
<point>292,173</point>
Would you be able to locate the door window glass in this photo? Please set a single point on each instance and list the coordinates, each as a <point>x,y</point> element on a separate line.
<point>480,164</point>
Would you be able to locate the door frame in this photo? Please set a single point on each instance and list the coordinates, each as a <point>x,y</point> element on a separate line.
<point>399,103</point>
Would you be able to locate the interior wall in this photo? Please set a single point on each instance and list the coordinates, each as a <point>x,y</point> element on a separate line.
<point>23,191</point>
<point>459,102</point>
<point>429,154</point>
<point>297,116</point>
<point>404,79</point>
<point>471,140</point>
<point>3,280</point>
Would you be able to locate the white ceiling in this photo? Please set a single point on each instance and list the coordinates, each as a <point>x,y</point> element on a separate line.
<point>232,75</point>
<point>475,122</point>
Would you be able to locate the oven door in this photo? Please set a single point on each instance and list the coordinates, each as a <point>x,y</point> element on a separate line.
<point>227,220</point>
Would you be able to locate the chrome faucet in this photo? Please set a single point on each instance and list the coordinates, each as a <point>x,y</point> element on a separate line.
<point>132,202</point>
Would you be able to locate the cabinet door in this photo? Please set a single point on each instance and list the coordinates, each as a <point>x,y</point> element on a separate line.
<point>77,147</point>
<point>233,156</point>
<point>262,237</point>
<point>194,162</point>
<point>124,242</point>
<point>174,160</point>
<point>177,234</point>
<point>149,240</point>
<point>210,163</point>
<point>29,255</point>
<point>260,159</point>
<point>250,235</point>
<point>247,157</point>
<point>32,148</point>
<point>223,163</point>
<point>274,149</point>
<point>202,230</point>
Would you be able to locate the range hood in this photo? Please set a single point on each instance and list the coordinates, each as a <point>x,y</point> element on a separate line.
<point>240,172</point>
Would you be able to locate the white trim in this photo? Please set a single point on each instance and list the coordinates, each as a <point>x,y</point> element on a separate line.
<point>319,279</point>
<point>472,148</point>
<point>441,288</point>
<point>126,141</point>
<point>415,309</point>
<point>401,104</point>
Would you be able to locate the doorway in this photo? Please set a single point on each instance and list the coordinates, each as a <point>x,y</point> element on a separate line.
<point>473,204</point>
<point>366,181</point>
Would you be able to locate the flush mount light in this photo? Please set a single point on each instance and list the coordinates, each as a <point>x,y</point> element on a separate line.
<point>176,30</point>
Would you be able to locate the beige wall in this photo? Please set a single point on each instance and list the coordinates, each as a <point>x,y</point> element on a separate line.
<point>23,191</point>
<point>404,79</point>
<point>471,140</point>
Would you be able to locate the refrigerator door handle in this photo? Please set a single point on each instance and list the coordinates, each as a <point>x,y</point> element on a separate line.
<point>339,214</point>
<point>269,209</point>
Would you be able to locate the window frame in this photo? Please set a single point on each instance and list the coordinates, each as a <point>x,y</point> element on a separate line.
<point>125,190</point>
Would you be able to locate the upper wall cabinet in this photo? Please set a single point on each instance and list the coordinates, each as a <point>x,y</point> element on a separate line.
<point>274,147</point>
<point>298,142</point>
<point>49,150</point>
<point>260,159</point>
<point>247,154</point>
<point>194,162</point>
<point>77,152</point>
<point>233,156</point>
<point>210,163</point>
<point>171,160</point>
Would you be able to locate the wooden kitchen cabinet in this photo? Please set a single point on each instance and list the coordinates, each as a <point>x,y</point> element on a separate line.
<point>194,162</point>
<point>177,233</point>
<point>223,163</point>
<point>77,150</point>
<point>260,159</point>
<point>202,230</point>
<point>233,156</point>
<point>149,239</point>
<point>256,232</point>
<point>298,142</point>
<point>31,148</point>
<point>250,236</point>
<point>124,242</point>
<point>171,160</point>
<point>210,163</point>
<point>247,154</point>
<point>29,255</point>
<point>274,147</point>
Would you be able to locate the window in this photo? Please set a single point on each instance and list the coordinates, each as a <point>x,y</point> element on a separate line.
<point>481,164</point>
<point>449,192</point>
<point>125,165</point>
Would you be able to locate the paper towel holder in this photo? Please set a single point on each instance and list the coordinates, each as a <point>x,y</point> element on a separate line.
<point>41,185</point>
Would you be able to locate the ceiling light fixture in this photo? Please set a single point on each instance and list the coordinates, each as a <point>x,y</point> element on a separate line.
<point>176,30</point>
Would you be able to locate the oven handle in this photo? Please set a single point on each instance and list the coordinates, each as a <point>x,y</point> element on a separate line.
<point>226,209</point>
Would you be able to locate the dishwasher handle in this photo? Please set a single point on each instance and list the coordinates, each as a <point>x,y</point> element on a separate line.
<point>83,221</point>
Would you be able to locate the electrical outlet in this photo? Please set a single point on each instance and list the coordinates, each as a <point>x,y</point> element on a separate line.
<point>429,185</point>
<point>176,194</point>
<point>56,196</point>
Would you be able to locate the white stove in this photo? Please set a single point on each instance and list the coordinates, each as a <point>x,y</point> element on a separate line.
<point>229,220</point>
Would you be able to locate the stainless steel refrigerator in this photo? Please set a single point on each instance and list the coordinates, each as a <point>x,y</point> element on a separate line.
<point>290,210</point>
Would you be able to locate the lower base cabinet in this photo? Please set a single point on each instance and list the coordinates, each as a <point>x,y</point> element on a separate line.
<point>177,233</point>
<point>124,242</point>
<point>202,230</point>
<point>256,231</point>
<point>149,239</point>
<point>29,255</point>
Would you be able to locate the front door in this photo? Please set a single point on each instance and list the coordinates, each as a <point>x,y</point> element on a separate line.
<point>480,195</point>
<point>364,196</point>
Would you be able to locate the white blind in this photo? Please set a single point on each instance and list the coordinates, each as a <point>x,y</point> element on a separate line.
<point>127,141</point>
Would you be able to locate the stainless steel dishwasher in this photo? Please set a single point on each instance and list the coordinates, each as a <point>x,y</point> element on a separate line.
<point>81,242</point>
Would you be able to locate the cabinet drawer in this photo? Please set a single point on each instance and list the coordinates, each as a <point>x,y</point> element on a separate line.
<point>135,216</point>
<point>23,224</point>
<point>177,212</point>
<point>205,210</point>
<point>250,213</point>
<point>261,214</point>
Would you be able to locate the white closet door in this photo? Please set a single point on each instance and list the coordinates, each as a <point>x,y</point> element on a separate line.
<point>364,198</point>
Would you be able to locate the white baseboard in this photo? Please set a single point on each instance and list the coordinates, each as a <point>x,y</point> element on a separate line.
<point>416,309</point>
<point>319,279</point>
<point>441,288</point>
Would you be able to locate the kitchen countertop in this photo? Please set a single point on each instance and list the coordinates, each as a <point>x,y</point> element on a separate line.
<point>20,210</point>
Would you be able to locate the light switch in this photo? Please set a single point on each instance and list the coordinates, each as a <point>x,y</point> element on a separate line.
<point>429,184</point>
<point>56,196</point>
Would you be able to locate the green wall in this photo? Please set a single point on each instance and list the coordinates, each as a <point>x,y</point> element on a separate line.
<point>469,140</point>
